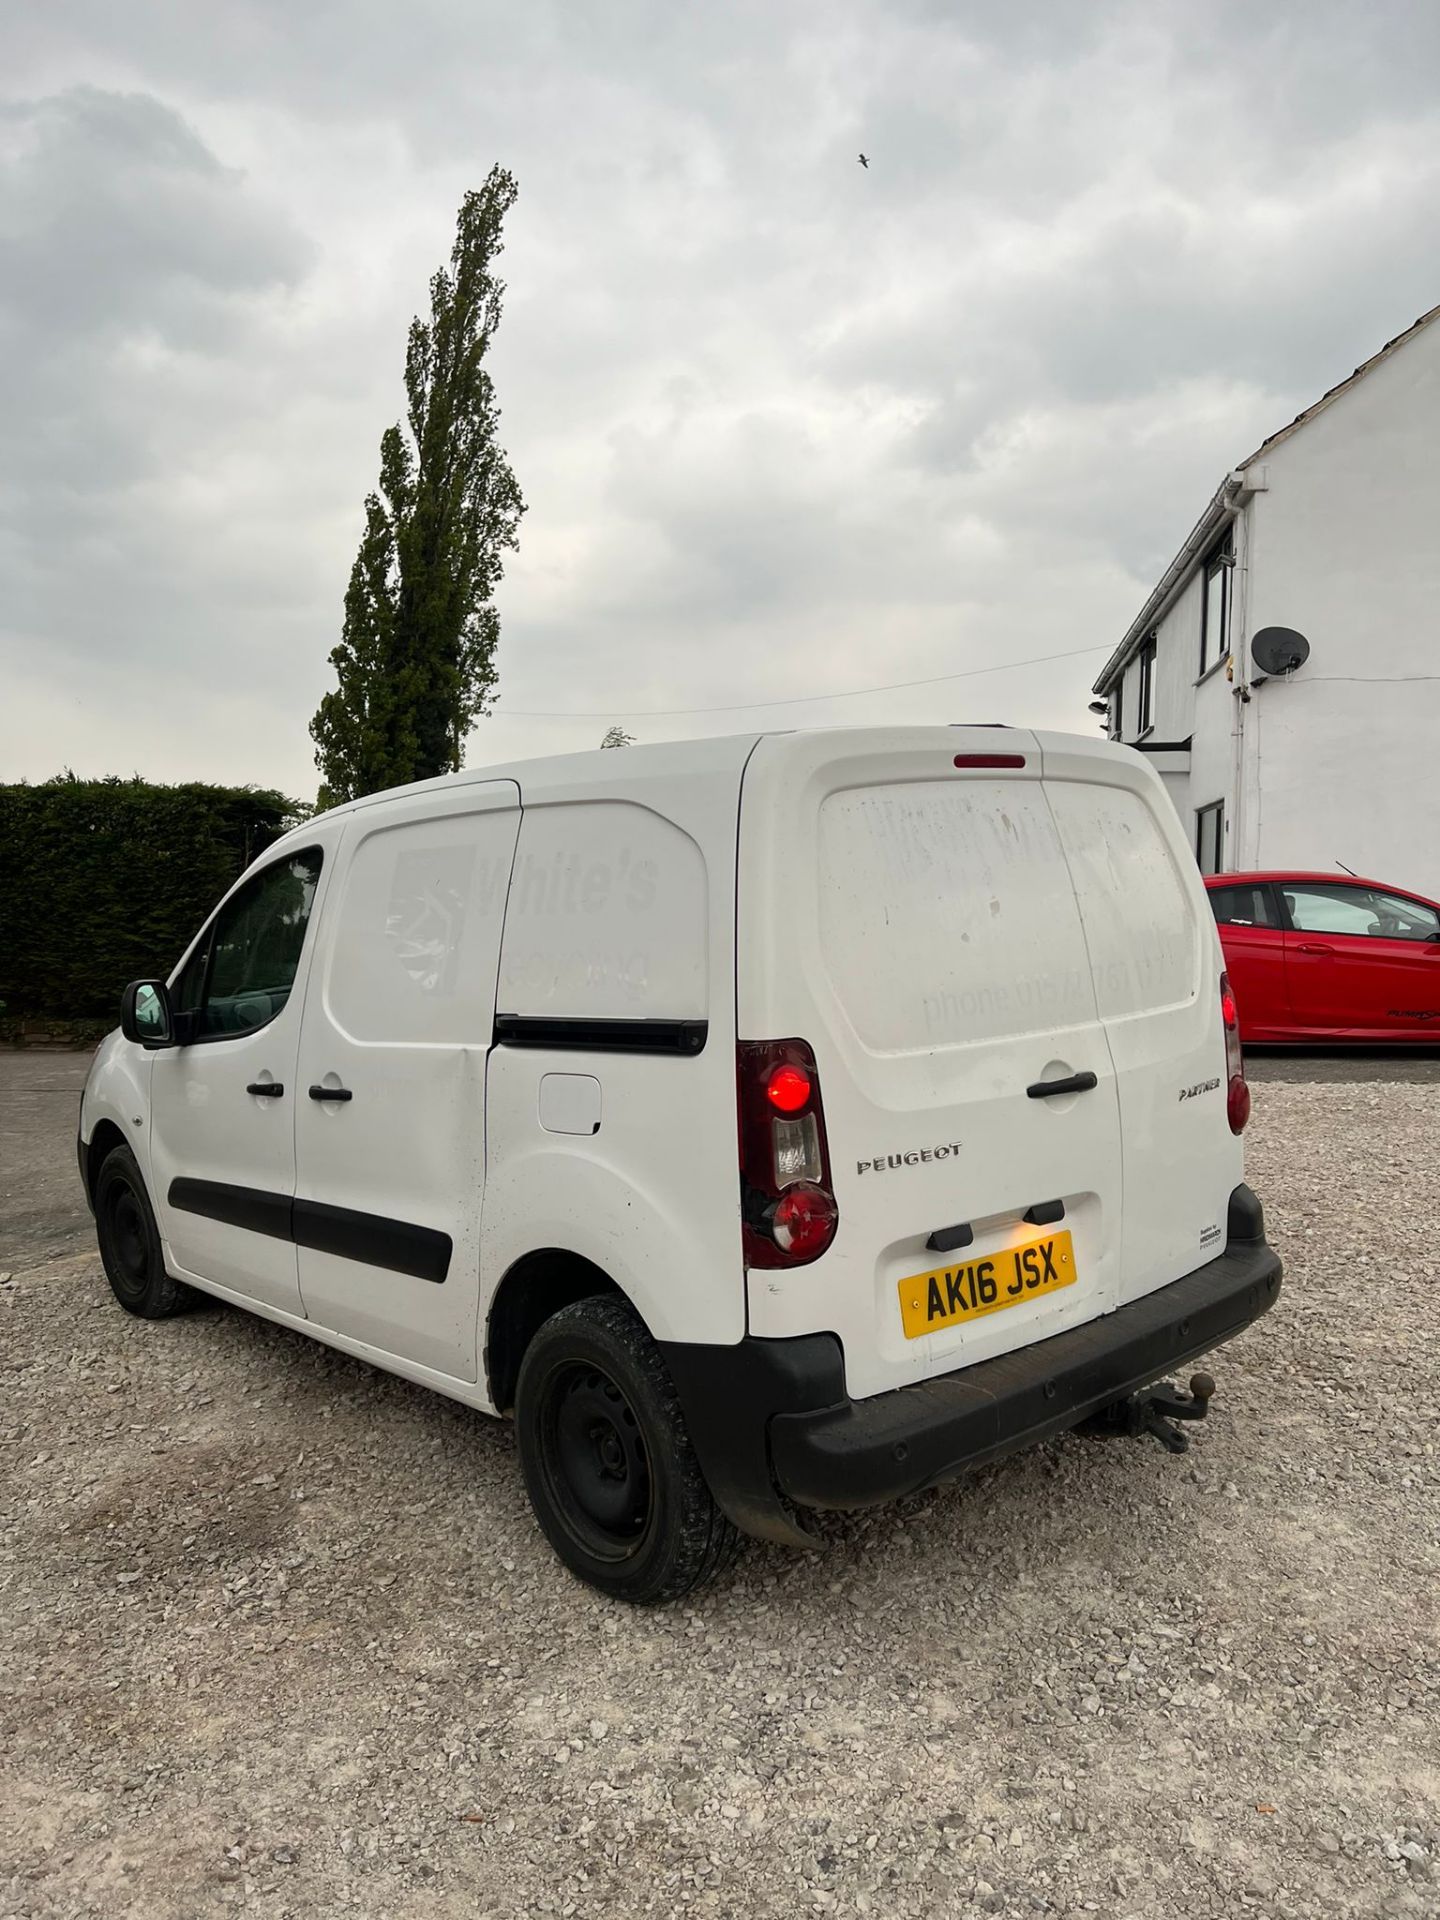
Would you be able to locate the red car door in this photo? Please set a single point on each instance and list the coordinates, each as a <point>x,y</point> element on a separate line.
<point>1253,941</point>
<point>1361,960</point>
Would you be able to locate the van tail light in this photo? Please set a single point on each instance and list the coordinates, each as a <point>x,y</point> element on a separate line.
<point>1237,1094</point>
<point>787,1209</point>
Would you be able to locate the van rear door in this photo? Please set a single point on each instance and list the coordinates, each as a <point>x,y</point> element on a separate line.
<point>1155,961</point>
<point>905,905</point>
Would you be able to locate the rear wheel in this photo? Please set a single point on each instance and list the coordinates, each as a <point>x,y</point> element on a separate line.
<point>608,1464</point>
<point>130,1242</point>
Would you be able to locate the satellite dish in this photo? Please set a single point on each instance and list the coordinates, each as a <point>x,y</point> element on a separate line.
<point>1279,650</point>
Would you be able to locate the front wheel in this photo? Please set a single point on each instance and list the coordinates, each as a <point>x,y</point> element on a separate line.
<point>607,1461</point>
<point>130,1242</point>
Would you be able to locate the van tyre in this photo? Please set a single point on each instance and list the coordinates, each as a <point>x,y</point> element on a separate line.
<point>607,1461</point>
<point>130,1242</point>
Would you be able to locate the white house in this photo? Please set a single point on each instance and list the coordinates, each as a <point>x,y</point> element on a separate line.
<point>1331,530</point>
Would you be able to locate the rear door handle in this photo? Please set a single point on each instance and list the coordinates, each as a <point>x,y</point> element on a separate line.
<point>1072,1083</point>
<point>1313,946</point>
<point>331,1093</point>
<point>266,1089</point>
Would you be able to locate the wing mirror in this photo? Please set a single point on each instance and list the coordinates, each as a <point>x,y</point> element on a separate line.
<point>145,1014</point>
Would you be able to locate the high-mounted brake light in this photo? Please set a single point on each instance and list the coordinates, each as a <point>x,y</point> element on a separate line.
<point>788,1212</point>
<point>989,759</point>
<point>1237,1093</point>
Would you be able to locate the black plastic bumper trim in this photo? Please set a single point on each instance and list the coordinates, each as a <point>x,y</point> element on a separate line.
<point>862,1452</point>
<point>776,1432</point>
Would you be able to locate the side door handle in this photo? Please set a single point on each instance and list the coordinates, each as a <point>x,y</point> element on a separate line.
<point>267,1089</point>
<point>1313,946</point>
<point>331,1093</point>
<point>1072,1083</point>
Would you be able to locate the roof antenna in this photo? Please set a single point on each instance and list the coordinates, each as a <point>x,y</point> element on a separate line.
<point>1344,869</point>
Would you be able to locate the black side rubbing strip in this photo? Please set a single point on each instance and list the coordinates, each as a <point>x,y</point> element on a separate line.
<point>683,1037</point>
<point>248,1207</point>
<point>421,1252</point>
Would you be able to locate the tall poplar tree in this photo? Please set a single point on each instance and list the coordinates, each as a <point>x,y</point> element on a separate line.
<point>416,661</point>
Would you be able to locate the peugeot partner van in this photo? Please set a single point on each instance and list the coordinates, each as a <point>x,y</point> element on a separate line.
<point>768,1125</point>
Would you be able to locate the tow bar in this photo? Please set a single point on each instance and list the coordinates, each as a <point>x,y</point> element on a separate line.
<point>1152,1410</point>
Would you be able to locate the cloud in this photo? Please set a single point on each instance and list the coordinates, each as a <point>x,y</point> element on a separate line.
<point>783,424</point>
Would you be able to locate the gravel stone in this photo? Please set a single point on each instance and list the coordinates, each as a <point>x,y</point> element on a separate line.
<point>280,1636</point>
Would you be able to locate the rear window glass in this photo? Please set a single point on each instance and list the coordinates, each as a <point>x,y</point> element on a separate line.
<point>947,914</point>
<point>1140,923</point>
<point>1245,906</point>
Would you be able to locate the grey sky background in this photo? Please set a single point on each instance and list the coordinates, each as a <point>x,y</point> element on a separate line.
<point>784,425</point>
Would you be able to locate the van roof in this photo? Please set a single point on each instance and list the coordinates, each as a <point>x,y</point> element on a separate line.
<point>632,768</point>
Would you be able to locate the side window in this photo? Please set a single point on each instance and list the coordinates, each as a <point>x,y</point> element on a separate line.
<point>1146,716</point>
<point>1210,837</point>
<point>189,989</point>
<point>1402,919</point>
<point>253,949</point>
<point>1242,906</point>
<point>1359,911</point>
<point>1215,609</point>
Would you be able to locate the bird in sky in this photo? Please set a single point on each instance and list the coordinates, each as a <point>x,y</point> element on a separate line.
<point>864,162</point>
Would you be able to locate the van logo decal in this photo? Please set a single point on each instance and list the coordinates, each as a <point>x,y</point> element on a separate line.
<point>1200,1086</point>
<point>917,1156</point>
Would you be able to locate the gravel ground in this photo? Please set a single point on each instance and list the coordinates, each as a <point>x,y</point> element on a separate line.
<point>280,1636</point>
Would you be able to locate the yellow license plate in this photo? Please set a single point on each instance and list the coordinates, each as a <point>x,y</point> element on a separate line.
<point>971,1288</point>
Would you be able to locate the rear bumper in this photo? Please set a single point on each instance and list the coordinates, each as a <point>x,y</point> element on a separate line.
<point>775,1430</point>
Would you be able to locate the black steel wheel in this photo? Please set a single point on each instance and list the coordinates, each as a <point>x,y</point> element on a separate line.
<point>607,1461</point>
<point>130,1242</point>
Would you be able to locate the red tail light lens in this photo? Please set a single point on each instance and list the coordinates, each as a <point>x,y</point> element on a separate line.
<point>788,1089</point>
<point>788,1212</point>
<point>803,1222</point>
<point>1237,1095</point>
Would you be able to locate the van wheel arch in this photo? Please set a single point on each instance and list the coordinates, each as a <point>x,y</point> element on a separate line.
<point>538,1285</point>
<point>101,1144</point>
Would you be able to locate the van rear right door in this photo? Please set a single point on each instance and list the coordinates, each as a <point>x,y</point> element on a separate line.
<point>1155,963</point>
<point>906,906</point>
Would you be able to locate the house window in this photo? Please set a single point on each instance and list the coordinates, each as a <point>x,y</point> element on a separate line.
<point>1210,837</point>
<point>1215,609</point>
<point>1146,717</point>
<point>1117,711</point>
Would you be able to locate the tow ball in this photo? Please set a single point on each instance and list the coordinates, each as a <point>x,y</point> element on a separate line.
<point>1152,1410</point>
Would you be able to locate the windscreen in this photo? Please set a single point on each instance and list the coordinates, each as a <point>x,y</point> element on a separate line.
<point>947,914</point>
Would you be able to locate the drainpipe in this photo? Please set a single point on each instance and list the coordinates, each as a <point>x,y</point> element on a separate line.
<point>1247,483</point>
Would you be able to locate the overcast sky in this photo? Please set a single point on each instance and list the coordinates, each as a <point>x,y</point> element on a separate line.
<point>785,426</point>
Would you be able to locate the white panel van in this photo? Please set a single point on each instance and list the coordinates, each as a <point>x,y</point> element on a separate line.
<point>768,1125</point>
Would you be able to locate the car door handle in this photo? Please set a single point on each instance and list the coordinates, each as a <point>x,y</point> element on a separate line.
<point>1313,946</point>
<point>1072,1083</point>
<point>331,1093</point>
<point>266,1089</point>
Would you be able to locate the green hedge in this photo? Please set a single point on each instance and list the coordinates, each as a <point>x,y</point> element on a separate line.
<point>104,881</point>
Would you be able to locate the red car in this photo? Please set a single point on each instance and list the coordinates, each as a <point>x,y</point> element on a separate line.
<point>1321,956</point>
